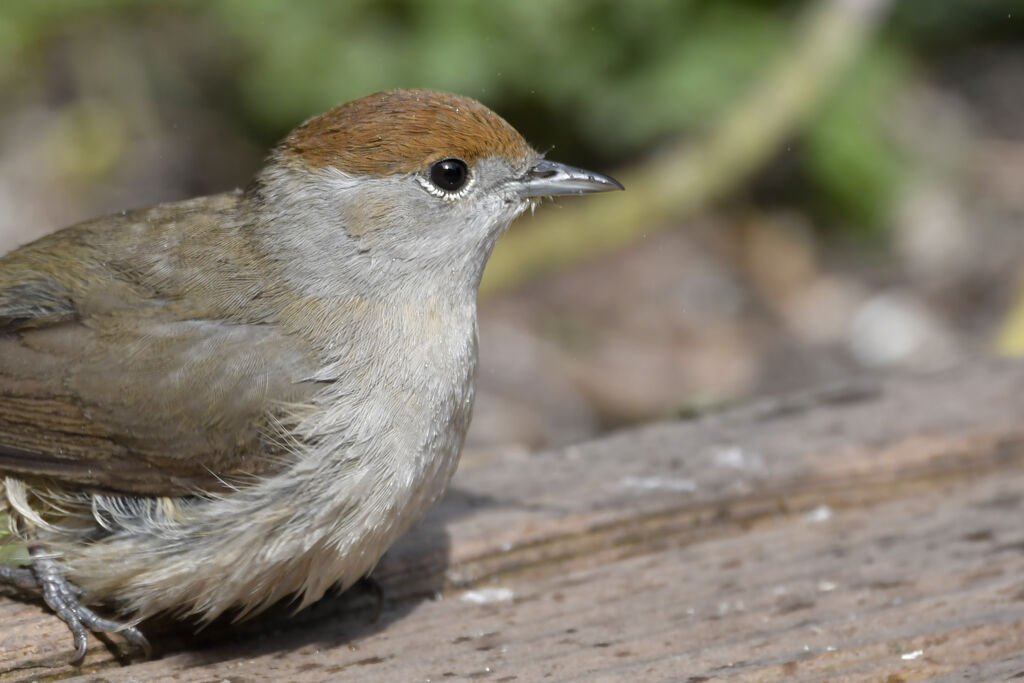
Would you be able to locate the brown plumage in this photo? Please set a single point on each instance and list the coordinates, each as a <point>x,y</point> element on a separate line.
<point>140,353</point>
<point>362,137</point>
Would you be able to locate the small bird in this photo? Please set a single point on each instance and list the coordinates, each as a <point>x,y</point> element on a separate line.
<point>210,405</point>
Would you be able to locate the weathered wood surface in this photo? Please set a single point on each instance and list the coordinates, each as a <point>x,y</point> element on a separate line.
<point>870,533</point>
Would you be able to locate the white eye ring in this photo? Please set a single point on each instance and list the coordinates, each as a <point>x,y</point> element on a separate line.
<point>447,196</point>
<point>433,179</point>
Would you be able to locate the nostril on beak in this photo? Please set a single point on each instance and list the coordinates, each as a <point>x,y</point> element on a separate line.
<point>549,178</point>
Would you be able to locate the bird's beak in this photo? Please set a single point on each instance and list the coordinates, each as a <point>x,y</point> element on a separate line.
<point>549,178</point>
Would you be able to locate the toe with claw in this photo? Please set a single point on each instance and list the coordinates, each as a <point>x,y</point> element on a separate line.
<point>45,579</point>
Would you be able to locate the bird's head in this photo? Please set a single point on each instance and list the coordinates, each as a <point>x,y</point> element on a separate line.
<point>405,182</point>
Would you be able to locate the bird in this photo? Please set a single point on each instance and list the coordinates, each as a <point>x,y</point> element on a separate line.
<point>211,405</point>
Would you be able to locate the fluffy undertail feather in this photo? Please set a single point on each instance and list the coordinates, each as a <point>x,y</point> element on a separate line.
<point>189,556</point>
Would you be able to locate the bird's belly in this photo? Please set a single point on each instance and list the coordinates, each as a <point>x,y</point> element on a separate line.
<point>371,499</point>
<point>366,466</point>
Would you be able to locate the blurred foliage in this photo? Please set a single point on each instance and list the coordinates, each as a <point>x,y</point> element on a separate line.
<point>1010,337</point>
<point>856,166</point>
<point>943,26</point>
<point>609,81</point>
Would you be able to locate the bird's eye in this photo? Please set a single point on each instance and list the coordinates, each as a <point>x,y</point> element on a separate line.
<point>450,175</point>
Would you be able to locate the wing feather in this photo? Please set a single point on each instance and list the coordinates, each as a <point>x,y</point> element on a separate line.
<point>104,383</point>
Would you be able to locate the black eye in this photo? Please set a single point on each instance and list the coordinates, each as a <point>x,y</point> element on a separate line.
<point>449,175</point>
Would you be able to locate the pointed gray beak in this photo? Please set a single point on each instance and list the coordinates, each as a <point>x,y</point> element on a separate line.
<point>549,179</point>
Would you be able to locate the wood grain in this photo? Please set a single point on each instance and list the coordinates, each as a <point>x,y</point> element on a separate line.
<point>871,532</point>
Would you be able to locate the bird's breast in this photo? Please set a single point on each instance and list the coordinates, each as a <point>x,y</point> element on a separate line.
<point>397,401</point>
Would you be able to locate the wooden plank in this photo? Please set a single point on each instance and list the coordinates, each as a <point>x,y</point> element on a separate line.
<point>829,536</point>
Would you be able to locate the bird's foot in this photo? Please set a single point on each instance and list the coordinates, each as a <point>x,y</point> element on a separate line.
<point>21,579</point>
<point>45,579</point>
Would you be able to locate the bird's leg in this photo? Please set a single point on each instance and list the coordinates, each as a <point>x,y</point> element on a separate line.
<point>21,579</point>
<point>64,598</point>
<point>373,587</point>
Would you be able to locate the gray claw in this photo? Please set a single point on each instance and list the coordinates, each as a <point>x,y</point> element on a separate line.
<point>63,597</point>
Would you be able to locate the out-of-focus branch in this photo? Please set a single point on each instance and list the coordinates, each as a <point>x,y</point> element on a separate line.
<point>693,174</point>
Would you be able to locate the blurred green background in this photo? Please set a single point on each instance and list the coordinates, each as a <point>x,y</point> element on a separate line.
<point>815,189</point>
